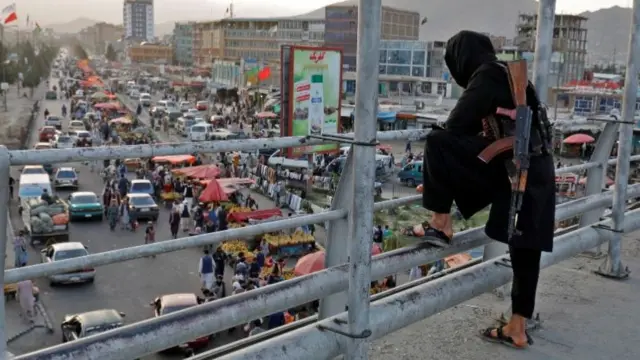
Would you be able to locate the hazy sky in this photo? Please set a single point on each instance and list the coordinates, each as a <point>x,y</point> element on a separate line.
<point>57,11</point>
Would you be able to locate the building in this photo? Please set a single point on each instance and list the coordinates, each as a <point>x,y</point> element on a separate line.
<point>436,67</point>
<point>183,43</point>
<point>341,28</point>
<point>568,60</point>
<point>138,20</point>
<point>150,53</point>
<point>98,36</point>
<point>404,69</point>
<point>253,40</point>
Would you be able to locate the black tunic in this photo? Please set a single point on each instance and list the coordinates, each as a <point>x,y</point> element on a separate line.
<point>452,171</point>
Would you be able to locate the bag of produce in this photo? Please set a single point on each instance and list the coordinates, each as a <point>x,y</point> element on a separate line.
<point>37,226</point>
<point>47,221</point>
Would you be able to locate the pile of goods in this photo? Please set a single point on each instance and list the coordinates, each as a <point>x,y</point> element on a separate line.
<point>287,274</point>
<point>235,225</point>
<point>378,289</point>
<point>171,196</point>
<point>297,238</point>
<point>234,247</point>
<point>231,208</point>
<point>46,218</point>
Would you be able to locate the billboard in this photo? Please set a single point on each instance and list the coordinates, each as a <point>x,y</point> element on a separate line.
<point>315,93</point>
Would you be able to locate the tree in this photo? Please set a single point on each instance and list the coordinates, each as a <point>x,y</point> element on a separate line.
<point>111,54</point>
<point>80,52</point>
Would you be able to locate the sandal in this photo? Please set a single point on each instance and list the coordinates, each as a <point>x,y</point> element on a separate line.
<point>501,338</point>
<point>431,235</point>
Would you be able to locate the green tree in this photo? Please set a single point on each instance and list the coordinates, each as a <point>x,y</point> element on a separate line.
<point>80,52</point>
<point>111,54</point>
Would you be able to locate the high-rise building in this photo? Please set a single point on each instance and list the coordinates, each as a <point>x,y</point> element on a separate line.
<point>138,20</point>
<point>183,43</point>
<point>341,28</point>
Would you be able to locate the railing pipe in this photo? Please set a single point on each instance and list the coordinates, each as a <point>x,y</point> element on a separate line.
<point>39,157</point>
<point>399,311</point>
<point>152,335</point>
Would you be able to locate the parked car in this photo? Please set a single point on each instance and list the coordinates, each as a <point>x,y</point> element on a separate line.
<point>77,125</point>
<point>42,146</point>
<point>47,133</point>
<point>64,251</point>
<point>85,205</point>
<point>90,323</point>
<point>171,303</point>
<point>411,174</point>
<point>65,177</point>
<point>142,206</point>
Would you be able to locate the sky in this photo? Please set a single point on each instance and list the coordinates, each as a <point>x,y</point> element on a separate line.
<point>59,11</point>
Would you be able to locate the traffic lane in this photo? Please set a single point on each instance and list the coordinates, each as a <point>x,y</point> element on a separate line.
<point>146,118</point>
<point>128,286</point>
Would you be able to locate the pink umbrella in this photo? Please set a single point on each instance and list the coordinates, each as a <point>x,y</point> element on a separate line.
<point>579,139</point>
<point>376,249</point>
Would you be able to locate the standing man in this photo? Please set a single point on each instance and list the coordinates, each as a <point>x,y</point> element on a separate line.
<point>206,269</point>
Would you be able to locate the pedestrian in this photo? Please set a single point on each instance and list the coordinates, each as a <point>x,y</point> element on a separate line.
<point>185,216</point>
<point>125,219</point>
<point>188,194</point>
<point>20,250</point>
<point>112,214</point>
<point>206,269</point>
<point>219,258</point>
<point>150,234</point>
<point>174,222</point>
<point>453,173</point>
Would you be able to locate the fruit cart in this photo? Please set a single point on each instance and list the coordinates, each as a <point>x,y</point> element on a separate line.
<point>133,164</point>
<point>297,244</point>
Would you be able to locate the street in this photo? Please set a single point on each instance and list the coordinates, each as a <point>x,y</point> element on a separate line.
<point>128,287</point>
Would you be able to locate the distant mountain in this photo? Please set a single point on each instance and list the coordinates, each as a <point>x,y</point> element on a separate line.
<point>608,34</point>
<point>73,26</point>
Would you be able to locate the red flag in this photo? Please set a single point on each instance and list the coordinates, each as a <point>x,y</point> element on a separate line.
<point>264,74</point>
<point>9,14</point>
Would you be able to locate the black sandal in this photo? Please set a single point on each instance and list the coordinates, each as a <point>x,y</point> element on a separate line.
<point>431,235</point>
<point>501,338</point>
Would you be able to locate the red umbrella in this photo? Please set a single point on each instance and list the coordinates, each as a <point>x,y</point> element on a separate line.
<point>579,139</point>
<point>376,249</point>
<point>309,263</point>
<point>200,172</point>
<point>213,192</point>
<point>107,106</point>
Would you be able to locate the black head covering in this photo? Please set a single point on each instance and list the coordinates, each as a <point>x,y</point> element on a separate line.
<point>466,52</point>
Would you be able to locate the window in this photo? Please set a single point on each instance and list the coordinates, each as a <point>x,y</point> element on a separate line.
<point>398,70</point>
<point>382,69</point>
<point>419,58</point>
<point>583,104</point>
<point>608,104</point>
<point>399,57</point>
<point>442,88</point>
<point>383,57</point>
<point>417,71</point>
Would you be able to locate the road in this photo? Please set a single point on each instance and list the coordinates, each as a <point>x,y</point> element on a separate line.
<point>129,286</point>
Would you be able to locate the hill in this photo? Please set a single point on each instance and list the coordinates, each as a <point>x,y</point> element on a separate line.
<point>73,26</point>
<point>608,34</point>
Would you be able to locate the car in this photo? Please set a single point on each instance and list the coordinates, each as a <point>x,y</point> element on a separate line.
<point>64,251</point>
<point>83,138</point>
<point>33,169</point>
<point>63,141</point>
<point>193,112</point>
<point>85,205</point>
<point>51,95</point>
<point>46,133</point>
<point>42,146</point>
<point>65,177</point>
<point>142,206</point>
<point>202,105</point>
<point>184,106</point>
<point>171,303</point>
<point>77,125</point>
<point>134,94</point>
<point>90,323</point>
<point>53,120</point>
<point>145,99</point>
<point>141,186</point>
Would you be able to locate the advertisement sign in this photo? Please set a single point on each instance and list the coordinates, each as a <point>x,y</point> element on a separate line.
<point>315,87</point>
<point>285,94</point>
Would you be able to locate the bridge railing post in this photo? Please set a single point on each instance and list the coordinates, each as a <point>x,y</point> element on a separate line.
<point>5,169</point>
<point>612,266</point>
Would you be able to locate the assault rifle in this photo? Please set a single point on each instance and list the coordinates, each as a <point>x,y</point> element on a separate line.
<point>515,137</point>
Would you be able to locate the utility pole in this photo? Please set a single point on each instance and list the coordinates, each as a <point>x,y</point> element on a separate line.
<point>4,69</point>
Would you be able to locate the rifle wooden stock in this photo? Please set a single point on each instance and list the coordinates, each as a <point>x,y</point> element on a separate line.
<point>518,81</point>
<point>496,148</point>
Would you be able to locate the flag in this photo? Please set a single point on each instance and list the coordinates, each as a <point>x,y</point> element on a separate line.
<point>37,29</point>
<point>9,14</point>
<point>424,21</point>
<point>27,20</point>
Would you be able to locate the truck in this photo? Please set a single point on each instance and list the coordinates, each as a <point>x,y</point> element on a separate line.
<point>45,223</point>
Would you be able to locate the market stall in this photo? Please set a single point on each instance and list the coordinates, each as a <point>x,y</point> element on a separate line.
<point>200,172</point>
<point>174,161</point>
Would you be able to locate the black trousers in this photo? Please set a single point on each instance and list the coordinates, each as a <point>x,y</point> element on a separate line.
<point>526,270</point>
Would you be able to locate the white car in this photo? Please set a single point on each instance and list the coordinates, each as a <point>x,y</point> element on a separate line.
<point>62,141</point>
<point>33,169</point>
<point>54,121</point>
<point>76,125</point>
<point>65,251</point>
<point>65,177</point>
<point>191,112</point>
<point>145,99</point>
<point>134,94</point>
<point>185,106</point>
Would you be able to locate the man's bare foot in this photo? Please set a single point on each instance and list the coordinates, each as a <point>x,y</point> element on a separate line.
<point>519,340</point>
<point>501,336</point>
<point>444,223</point>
